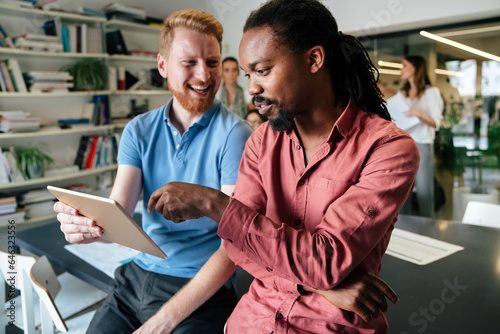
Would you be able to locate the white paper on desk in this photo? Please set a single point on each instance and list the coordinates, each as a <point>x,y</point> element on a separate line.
<point>417,248</point>
<point>105,257</point>
<point>397,107</point>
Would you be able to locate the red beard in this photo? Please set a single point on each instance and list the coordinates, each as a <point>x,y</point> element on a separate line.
<point>195,106</point>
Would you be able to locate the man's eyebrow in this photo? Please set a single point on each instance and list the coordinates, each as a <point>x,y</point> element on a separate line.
<point>255,63</point>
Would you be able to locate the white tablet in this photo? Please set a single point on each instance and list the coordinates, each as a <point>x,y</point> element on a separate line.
<point>117,225</point>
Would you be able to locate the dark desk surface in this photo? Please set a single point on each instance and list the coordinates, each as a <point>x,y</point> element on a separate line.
<point>457,294</point>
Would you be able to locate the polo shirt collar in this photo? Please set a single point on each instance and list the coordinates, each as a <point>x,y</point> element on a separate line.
<point>202,121</point>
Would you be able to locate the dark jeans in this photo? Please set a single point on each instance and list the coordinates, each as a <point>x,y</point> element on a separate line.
<point>138,294</point>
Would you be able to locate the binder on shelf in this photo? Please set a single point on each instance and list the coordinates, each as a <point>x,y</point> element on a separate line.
<point>11,75</point>
<point>17,75</point>
<point>6,77</point>
<point>116,43</point>
<point>72,38</point>
<point>3,85</point>
<point>83,38</point>
<point>65,38</point>
<point>112,78</point>
<point>121,78</point>
<point>80,153</point>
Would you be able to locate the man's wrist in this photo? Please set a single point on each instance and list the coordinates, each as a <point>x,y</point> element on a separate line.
<point>217,202</point>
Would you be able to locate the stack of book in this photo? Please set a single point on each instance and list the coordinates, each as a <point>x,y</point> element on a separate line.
<point>9,168</point>
<point>96,151</point>
<point>123,12</point>
<point>82,38</point>
<point>8,205</point>
<point>17,121</point>
<point>10,213</point>
<point>11,77</point>
<point>21,3</point>
<point>48,81</point>
<point>36,42</point>
<point>38,203</point>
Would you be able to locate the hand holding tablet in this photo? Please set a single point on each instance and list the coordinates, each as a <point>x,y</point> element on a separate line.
<point>117,225</point>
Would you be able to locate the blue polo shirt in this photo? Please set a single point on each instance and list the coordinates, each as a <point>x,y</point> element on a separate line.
<point>208,153</point>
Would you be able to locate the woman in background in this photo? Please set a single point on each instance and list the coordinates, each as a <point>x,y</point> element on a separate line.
<point>427,105</point>
<point>229,92</point>
<point>255,119</point>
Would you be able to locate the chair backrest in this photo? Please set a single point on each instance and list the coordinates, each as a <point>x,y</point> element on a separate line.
<point>484,214</point>
<point>47,286</point>
<point>16,269</point>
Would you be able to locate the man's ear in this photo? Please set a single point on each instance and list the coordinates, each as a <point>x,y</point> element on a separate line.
<point>316,58</point>
<point>162,65</point>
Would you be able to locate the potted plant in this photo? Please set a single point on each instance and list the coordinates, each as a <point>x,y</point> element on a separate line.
<point>88,74</point>
<point>32,161</point>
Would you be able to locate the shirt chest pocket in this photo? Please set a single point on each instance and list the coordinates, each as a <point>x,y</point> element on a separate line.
<point>323,194</point>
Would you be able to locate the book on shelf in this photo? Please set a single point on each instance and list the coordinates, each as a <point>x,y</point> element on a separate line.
<point>48,75</point>
<point>65,38</point>
<point>36,45</point>
<point>89,12</point>
<point>48,81</point>
<point>8,205</point>
<point>144,53</point>
<point>5,40</point>
<point>40,209</point>
<point>52,27</point>
<point>11,79</point>
<point>96,151</point>
<point>101,110</point>
<point>19,216</point>
<point>72,123</point>
<point>36,196</point>
<point>124,12</point>
<point>7,85</point>
<point>9,168</point>
<point>19,124</point>
<point>20,3</point>
<point>115,43</point>
<point>17,75</point>
<point>18,120</point>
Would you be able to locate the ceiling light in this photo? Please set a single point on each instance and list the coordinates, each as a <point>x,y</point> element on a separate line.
<point>390,64</point>
<point>391,72</point>
<point>448,72</point>
<point>398,65</point>
<point>460,46</point>
<point>468,31</point>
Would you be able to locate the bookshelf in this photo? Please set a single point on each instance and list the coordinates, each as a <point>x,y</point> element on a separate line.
<point>62,144</point>
<point>44,181</point>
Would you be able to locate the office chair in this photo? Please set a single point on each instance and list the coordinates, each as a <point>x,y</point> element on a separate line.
<point>58,300</point>
<point>480,213</point>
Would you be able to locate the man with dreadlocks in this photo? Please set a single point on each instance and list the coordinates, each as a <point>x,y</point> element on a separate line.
<point>320,185</point>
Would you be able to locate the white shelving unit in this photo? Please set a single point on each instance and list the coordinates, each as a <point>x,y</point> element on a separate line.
<point>43,181</point>
<point>63,143</point>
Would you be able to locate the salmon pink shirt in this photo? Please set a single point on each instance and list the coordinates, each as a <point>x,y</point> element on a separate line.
<point>291,224</point>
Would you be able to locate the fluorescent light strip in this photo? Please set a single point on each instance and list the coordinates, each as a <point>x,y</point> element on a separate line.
<point>391,72</point>
<point>397,65</point>
<point>448,72</point>
<point>468,31</point>
<point>460,46</point>
<point>390,64</point>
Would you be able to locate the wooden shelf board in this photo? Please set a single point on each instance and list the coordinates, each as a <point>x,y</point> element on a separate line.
<point>46,180</point>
